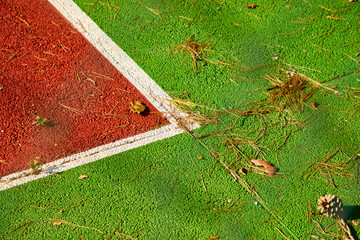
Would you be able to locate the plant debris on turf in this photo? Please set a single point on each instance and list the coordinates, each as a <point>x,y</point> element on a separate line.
<point>275,88</point>
<point>196,50</point>
<point>287,102</point>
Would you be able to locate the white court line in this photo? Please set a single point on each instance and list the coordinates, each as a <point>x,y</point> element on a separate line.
<point>134,74</point>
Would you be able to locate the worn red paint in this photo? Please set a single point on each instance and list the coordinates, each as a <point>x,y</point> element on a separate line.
<point>48,69</point>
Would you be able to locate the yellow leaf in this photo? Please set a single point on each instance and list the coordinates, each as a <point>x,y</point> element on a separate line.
<point>137,106</point>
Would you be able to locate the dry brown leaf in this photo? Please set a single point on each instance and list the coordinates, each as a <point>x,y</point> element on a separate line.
<point>57,223</point>
<point>260,163</point>
<point>83,176</point>
<point>268,168</point>
<point>354,222</point>
<point>252,6</point>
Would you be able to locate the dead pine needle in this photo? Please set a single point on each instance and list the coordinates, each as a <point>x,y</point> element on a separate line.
<point>196,51</point>
<point>124,236</point>
<point>80,235</point>
<point>212,169</point>
<point>331,171</point>
<point>285,34</point>
<point>72,204</point>
<point>27,24</point>
<point>63,47</point>
<point>113,231</point>
<point>192,159</point>
<point>75,110</point>
<point>253,15</point>
<point>213,153</point>
<point>12,56</point>
<point>42,59</point>
<point>24,224</point>
<point>156,12</point>
<point>283,143</point>
<point>50,53</point>
<point>324,35</point>
<point>346,29</point>
<point>102,76</point>
<point>318,84</point>
<point>78,77</point>
<point>351,43</point>
<point>74,225</point>
<point>275,217</point>
<point>139,230</point>
<point>236,178</point>
<point>46,206</point>
<point>318,48</point>
<point>238,25</point>
<point>3,161</point>
<point>300,22</point>
<point>268,210</point>
<point>235,202</point>
<point>203,183</point>
<point>282,234</point>
<point>328,9</point>
<point>132,179</point>
<point>173,186</point>
<point>192,235</point>
<point>333,18</point>
<point>290,90</point>
<point>239,220</point>
<point>140,27</point>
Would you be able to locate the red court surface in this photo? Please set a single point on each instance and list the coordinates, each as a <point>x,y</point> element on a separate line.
<point>48,69</point>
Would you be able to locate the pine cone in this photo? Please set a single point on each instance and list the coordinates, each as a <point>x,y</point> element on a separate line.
<point>331,206</point>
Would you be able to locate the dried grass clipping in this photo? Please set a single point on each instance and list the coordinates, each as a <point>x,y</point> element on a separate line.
<point>252,6</point>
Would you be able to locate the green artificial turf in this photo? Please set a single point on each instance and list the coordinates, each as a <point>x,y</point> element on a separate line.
<point>162,191</point>
<point>136,189</point>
